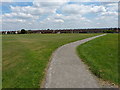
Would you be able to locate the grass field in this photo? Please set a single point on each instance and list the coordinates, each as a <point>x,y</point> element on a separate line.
<point>101,55</point>
<point>25,57</point>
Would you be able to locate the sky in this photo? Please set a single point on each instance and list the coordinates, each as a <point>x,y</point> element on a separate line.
<point>61,14</point>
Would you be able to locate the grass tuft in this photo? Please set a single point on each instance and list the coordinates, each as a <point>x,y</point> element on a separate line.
<point>25,57</point>
<point>101,55</point>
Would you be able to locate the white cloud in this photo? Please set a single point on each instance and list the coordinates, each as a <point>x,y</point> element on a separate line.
<point>32,10</point>
<point>98,9</point>
<point>110,13</point>
<point>13,21</point>
<point>59,20</point>
<point>44,15</point>
<point>77,0</point>
<point>52,19</point>
<point>112,7</point>
<point>6,0</point>
<point>20,16</point>
<point>49,3</point>
<point>82,9</point>
<point>59,0</point>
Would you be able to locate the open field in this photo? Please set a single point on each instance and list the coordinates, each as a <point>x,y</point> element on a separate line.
<point>25,57</point>
<point>101,55</point>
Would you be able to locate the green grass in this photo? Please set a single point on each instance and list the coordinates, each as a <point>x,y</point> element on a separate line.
<point>101,55</point>
<point>25,57</point>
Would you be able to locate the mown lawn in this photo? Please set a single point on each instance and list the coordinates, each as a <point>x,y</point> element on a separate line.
<point>25,57</point>
<point>101,55</point>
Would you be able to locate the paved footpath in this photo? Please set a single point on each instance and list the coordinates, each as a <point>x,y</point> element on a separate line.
<point>66,69</point>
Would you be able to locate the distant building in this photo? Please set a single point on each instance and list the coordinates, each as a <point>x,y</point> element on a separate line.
<point>16,32</point>
<point>6,32</point>
<point>92,30</point>
<point>58,32</point>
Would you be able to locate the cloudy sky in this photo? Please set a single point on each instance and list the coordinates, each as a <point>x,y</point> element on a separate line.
<point>58,15</point>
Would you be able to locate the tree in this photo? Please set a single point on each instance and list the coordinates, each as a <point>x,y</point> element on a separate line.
<point>108,31</point>
<point>29,31</point>
<point>23,31</point>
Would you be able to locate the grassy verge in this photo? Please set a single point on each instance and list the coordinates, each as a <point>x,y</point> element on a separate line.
<point>101,55</point>
<point>25,57</point>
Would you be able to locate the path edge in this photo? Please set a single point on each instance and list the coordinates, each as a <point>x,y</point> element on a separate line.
<point>44,81</point>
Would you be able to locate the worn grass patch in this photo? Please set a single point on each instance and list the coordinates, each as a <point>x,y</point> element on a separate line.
<point>25,57</point>
<point>101,54</point>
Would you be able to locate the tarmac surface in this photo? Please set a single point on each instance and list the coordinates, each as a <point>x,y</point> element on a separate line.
<point>66,70</point>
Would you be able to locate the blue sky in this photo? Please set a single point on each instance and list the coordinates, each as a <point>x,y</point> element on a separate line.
<point>58,15</point>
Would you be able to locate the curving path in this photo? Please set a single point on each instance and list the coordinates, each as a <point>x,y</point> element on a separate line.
<point>66,70</point>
